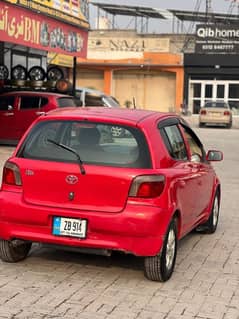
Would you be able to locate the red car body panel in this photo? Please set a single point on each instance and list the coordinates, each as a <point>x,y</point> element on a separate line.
<point>115,220</point>
<point>14,122</point>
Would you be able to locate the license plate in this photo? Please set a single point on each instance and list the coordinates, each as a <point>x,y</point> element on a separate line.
<point>69,227</point>
<point>217,114</point>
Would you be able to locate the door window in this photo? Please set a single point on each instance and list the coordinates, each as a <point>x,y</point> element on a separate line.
<point>174,142</point>
<point>66,101</point>
<point>5,102</point>
<point>195,146</point>
<point>30,102</point>
<point>43,101</point>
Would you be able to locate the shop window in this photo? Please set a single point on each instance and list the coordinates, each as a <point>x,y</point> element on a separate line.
<point>220,91</point>
<point>27,57</point>
<point>33,61</point>
<point>233,91</point>
<point>208,90</point>
<point>196,106</point>
<point>197,90</point>
<point>19,59</point>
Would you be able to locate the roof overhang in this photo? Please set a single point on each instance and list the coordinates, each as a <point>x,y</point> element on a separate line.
<point>133,11</point>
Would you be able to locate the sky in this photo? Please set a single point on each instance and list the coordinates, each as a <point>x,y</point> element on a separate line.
<point>158,26</point>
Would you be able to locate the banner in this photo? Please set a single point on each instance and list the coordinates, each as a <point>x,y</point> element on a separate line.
<point>70,11</point>
<point>217,39</point>
<point>24,27</point>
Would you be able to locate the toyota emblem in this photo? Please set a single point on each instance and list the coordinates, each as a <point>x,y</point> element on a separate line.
<point>71,179</point>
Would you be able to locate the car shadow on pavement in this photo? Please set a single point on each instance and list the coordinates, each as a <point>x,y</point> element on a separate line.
<point>116,259</point>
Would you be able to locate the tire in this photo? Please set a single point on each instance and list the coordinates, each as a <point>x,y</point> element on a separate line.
<point>55,73</point>
<point>201,124</point>
<point>4,73</point>
<point>36,73</point>
<point>229,125</point>
<point>19,72</point>
<point>211,224</point>
<point>12,253</point>
<point>160,267</point>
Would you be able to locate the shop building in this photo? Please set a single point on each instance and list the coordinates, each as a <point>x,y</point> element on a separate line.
<point>212,71</point>
<point>137,69</point>
<point>36,35</point>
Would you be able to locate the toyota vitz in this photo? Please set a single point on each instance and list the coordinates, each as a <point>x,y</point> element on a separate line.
<point>71,184</point>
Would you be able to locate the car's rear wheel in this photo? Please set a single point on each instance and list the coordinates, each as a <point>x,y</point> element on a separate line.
<point>160,267</point>
<point>211,224</point>
<point>229,125</point>
<point>11,252</point>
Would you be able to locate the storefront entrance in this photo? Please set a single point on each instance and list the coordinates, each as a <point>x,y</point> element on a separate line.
<point>202,91</point>
<point>210,77</point>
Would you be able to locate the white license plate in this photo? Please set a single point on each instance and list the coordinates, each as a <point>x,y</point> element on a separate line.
<point>69,227</point>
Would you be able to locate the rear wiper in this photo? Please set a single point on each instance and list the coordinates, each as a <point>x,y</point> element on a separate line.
<point>69,149</point>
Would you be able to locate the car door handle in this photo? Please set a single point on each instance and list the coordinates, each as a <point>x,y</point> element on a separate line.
<point>40,113</point>
<point>8,114</point>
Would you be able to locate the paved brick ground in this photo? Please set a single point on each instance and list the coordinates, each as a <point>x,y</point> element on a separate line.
<point>205,285</point>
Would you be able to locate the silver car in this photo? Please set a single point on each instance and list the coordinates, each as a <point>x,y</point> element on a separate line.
<point>216,113</point>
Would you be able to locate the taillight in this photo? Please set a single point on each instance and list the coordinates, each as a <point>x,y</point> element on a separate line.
<point>203,112</point>
<point>11,174</point>
<point>148,186</point>
<point>227,113</point>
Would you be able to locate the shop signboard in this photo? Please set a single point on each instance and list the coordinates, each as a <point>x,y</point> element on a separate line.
<point>70,11</point>
<point>212,38</point>
<point>24,27</point>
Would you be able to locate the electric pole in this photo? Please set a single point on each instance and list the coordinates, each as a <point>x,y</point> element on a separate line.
<point>208,10</point>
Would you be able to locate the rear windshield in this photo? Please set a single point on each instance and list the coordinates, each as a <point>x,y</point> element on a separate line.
<point>216,104</point>
<point>66,101</point>
<point>95,143</point>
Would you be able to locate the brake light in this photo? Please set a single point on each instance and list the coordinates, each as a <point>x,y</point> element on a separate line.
<point>11,174</point>
<point>148,186</point>
<point>203,112</point>
<point>227,113</point>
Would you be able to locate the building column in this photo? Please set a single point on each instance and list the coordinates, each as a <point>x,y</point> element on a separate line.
<point>108,81</point>
<point>179,89</point>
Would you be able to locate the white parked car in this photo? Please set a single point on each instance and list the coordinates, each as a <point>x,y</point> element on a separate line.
<point>90,97</point>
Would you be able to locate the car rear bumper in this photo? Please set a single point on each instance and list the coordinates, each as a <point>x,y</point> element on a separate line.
<point>138,229</point>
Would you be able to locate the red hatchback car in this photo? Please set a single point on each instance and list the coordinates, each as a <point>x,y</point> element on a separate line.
<point>71,183</point>
<point>18,109</point>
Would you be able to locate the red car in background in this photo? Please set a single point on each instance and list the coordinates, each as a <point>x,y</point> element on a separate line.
<point>70,183</point>
<point>18,109</point>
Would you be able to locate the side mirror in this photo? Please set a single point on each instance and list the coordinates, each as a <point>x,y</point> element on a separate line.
<point>214,156</point>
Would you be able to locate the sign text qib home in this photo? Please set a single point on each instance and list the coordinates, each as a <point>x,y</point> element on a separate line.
<point>217,39</point>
